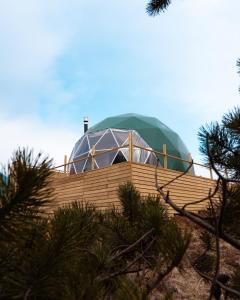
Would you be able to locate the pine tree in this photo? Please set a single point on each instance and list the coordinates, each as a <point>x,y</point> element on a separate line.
<point>78,252</point>
<point>220,145</point>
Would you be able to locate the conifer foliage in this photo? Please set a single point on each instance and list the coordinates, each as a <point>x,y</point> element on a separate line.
<point>220,145</point>
<point>78,252</point>
<point>154,7</point>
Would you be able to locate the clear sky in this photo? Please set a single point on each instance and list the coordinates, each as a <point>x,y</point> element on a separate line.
<point>61,60</point>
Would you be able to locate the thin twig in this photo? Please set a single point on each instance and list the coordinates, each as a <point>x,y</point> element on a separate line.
<point>223,235</point>
<point>205,198</point>
<point>126,270</point>
<point>27,294</point>
<point>132,246</point>
<point>195,219</point>
<point>208,278</point>
<point>160,278</point>
<point>179,176</point>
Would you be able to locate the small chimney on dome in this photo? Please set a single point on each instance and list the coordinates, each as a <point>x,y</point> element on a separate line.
<point>85,124</point>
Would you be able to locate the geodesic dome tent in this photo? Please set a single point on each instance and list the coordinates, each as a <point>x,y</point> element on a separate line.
<point>147,132</point>
<point>103,141</point>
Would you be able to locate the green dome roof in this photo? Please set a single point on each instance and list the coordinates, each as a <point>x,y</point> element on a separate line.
<point>154,132</point>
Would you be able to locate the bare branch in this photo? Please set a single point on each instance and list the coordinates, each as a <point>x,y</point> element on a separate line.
<point>177,177</point>
<point>126,269</point>
<point>132,246</point>
<point>192,217</point>
<point>205,198</point>
<point>208,278</point>
<point>225,236</point>
<point>160,278</point>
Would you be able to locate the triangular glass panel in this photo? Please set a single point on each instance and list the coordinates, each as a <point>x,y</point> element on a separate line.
<point>88,165</point>
<point>106,142</point>
<point>152,160</point>
<point>79,165</point>
<point>83,148</point>
<point>94,137</point>
<point>138,140</point>
<point>125,152</point>
<point>121,136</point>
<point>140,155</point>
<point>77,146</point>
<point>105,159</point>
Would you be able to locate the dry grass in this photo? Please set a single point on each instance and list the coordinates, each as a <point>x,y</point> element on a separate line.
<point>186,283</point>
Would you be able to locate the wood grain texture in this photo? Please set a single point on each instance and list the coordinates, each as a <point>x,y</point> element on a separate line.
<point>183,190</point>
<point>99,187</point>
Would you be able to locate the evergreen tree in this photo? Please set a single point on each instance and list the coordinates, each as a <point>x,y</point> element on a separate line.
<point>220,145</point>
<point>78,252</point>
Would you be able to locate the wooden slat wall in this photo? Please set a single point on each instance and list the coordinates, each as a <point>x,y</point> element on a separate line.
<point>98,187</point>
<point>184,190</point>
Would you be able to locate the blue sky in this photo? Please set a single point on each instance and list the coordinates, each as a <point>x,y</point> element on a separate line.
<point>61,60</point>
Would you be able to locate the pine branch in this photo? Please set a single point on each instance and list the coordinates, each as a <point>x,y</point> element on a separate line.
<point>154,7</point>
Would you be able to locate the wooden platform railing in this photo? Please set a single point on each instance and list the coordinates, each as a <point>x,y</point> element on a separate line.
<point>131,146</point>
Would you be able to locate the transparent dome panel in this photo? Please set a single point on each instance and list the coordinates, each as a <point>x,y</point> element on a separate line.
<point>121,136</point>
<point>105,159</point>
<point>88,165</point>
<point>106,142</point>
<point>83,147</point>
<point>79,165</point>
<point>152,159</point>
<point>95,137</point>
<point>125,152</point>
<point>138,141</point>
<point>140,155</point>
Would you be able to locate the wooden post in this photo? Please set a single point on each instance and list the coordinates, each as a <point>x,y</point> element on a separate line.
<point>165,156</point>
<point>130,145</point>
<point>93,156</point>
<point>211,174</point>
<point>226,173</point>
<point>65,163</point>
<point>190,161</point>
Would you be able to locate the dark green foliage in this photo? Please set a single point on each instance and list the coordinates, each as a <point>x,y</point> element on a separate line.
<point>207,240</point>
<point>24,188</point>
<point>130,200</point>
<point>80,253</point>
<point>205,260</point>
<point>231,218</point>
<point>154,7</point>
<point>220,143</point>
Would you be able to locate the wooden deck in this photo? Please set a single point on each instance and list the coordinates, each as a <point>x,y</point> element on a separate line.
<point>99,187</point>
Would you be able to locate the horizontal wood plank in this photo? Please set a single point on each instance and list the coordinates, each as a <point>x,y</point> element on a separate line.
<point>100,187</point>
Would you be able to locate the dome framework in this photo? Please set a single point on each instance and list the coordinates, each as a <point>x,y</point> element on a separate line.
<point>107,147</point>
<point>152,133</point>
